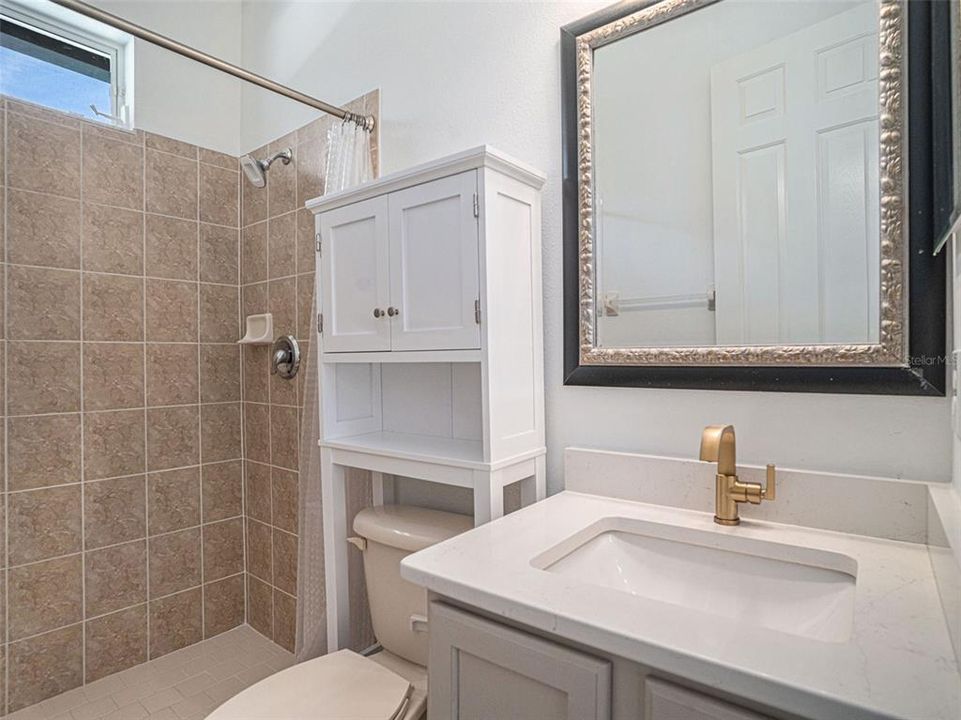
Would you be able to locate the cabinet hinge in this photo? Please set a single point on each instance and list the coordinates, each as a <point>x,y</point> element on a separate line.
<point>476,206</point>
<point>320,323</point>
<point>317,245</point>
<point>477,314</point>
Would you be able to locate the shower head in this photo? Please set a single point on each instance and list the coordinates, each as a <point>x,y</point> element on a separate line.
<point>256,170</point>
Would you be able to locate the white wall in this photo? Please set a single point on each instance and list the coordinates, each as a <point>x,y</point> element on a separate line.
<point>177,97</point>
<point>454,75</point>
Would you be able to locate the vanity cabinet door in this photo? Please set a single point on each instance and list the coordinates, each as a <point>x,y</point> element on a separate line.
<point>434,265</point>
<point>665,701</point>
<point>480,670</point>
<point>354,277</point>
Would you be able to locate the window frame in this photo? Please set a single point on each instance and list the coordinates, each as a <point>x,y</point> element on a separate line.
<point>114,48</point>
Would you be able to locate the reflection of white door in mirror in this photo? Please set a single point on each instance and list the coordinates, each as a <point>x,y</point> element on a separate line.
<point>795,167</point>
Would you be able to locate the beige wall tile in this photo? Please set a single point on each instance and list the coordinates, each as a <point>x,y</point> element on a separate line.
<point>305,306</point>
<point>220,432</point>
<point>305,240</point>
<point>175,622</point>
<point>115,577</point>
<point>310,169</point>
<point>222,486</point>
<point>43,304</point>
<point>116,642</point>
<point>112,239</point>
<point>283,391</point>
<point>44,377</point>
<point>112,171</point>
<point>173,499</point>
<point>42,113</point>
<point>172,437</point>
<point>285,620</point>
<point>223,549</point>
<point>253,299</point>
<point>112,307</point>
<point>133,137</point>
<point>43,230</point>
<point>113,443</point>
<point>171,374</point>
<point>171,247</point>
<point>260,606</point>
<point>43,523</point>
<point>171,311</point>
<point>174,562</point>
<point>223,605</point>
<point>219,314</point>
<point>43,451</point>
<point>282,296</point>
<point>219,254</point>
<point>285,499</point>
<point>43,666</point>
<point>212,157</point>
<point>253,200</point>
<point>285,561</point>
<point>44,595</point>
<point>219,195</point>
<point>112,376</point>
<point>219,373</point>
<point>42,156</point>
<point>256,372</point>
<point>258,491</point>
<point>169,145</point>
<point>257,432</point>
<point>284,436</point>
<point>282,245</point>
<point>171,185</point>
<point>282,186</point>
<point>253,253</point>
<point>258,550</point>
<point>114,511</point>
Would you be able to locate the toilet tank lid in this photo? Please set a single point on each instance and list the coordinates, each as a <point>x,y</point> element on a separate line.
<point>409,528</point>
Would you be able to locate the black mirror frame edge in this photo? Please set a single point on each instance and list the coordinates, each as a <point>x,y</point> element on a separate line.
<point>929,192</point>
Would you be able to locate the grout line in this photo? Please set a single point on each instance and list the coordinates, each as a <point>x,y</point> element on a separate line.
<point>83,495</point>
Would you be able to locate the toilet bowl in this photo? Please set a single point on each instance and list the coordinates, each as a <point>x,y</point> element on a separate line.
<point>390,684</point>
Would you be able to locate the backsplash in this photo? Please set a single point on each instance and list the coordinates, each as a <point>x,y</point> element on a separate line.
<point>124,533</point>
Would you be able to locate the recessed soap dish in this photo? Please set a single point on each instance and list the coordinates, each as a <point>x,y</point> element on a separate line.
<point>260,330</point>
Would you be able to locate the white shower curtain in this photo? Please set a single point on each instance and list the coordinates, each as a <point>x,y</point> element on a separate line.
<point>348,163</point>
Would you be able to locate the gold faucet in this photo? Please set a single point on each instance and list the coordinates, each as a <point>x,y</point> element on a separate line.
<point>718,445</point>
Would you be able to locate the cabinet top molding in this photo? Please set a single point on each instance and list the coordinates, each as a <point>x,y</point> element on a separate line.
<point>483,156</point>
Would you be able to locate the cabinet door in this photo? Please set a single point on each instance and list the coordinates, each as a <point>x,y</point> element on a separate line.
<point>480,670</point>
<point>665,701</point>
<point>433,265</point>
<point>354,281</point>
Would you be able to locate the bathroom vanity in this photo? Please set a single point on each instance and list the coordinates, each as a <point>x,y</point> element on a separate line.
<point>622,598</point>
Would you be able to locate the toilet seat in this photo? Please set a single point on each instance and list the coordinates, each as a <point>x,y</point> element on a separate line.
<point>339,686</point>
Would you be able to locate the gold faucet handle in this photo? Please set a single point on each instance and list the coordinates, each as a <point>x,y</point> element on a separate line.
<point>770,484</point>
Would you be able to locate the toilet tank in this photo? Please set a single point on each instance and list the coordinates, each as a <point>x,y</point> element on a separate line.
<point>392,533</point>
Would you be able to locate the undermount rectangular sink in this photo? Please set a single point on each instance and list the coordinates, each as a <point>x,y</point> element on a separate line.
<point>796,590</point>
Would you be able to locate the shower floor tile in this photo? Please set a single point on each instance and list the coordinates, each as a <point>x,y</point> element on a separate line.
<point>184,685</point>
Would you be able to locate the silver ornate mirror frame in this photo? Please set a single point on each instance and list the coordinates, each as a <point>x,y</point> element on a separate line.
<point>891,350</point>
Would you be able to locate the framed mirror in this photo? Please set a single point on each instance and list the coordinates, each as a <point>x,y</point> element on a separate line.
<point>751,195</point>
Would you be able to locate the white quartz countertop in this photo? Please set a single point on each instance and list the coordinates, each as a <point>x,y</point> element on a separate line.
<point>897,663</point>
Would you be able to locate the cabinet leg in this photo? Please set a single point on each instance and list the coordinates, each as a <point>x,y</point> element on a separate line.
<point>540,477</point>
<point>334,490</point>
<point>488,497</point>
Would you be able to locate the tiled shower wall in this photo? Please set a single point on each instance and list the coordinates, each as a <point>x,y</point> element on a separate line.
<point>277,276</point>
<point>123,486</point>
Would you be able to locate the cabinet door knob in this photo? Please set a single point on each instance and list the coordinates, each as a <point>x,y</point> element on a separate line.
<point>392,311</point>
<point>378,313</point>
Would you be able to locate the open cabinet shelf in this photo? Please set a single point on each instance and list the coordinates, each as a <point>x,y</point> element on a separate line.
<point>420,448</point>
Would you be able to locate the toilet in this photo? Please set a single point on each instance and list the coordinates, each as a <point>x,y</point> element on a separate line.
<point>390,684</point>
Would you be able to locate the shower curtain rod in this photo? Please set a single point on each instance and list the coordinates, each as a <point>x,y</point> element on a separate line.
<point>163,41</point>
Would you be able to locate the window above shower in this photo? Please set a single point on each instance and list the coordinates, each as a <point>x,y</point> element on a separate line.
<point>57,59</point>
